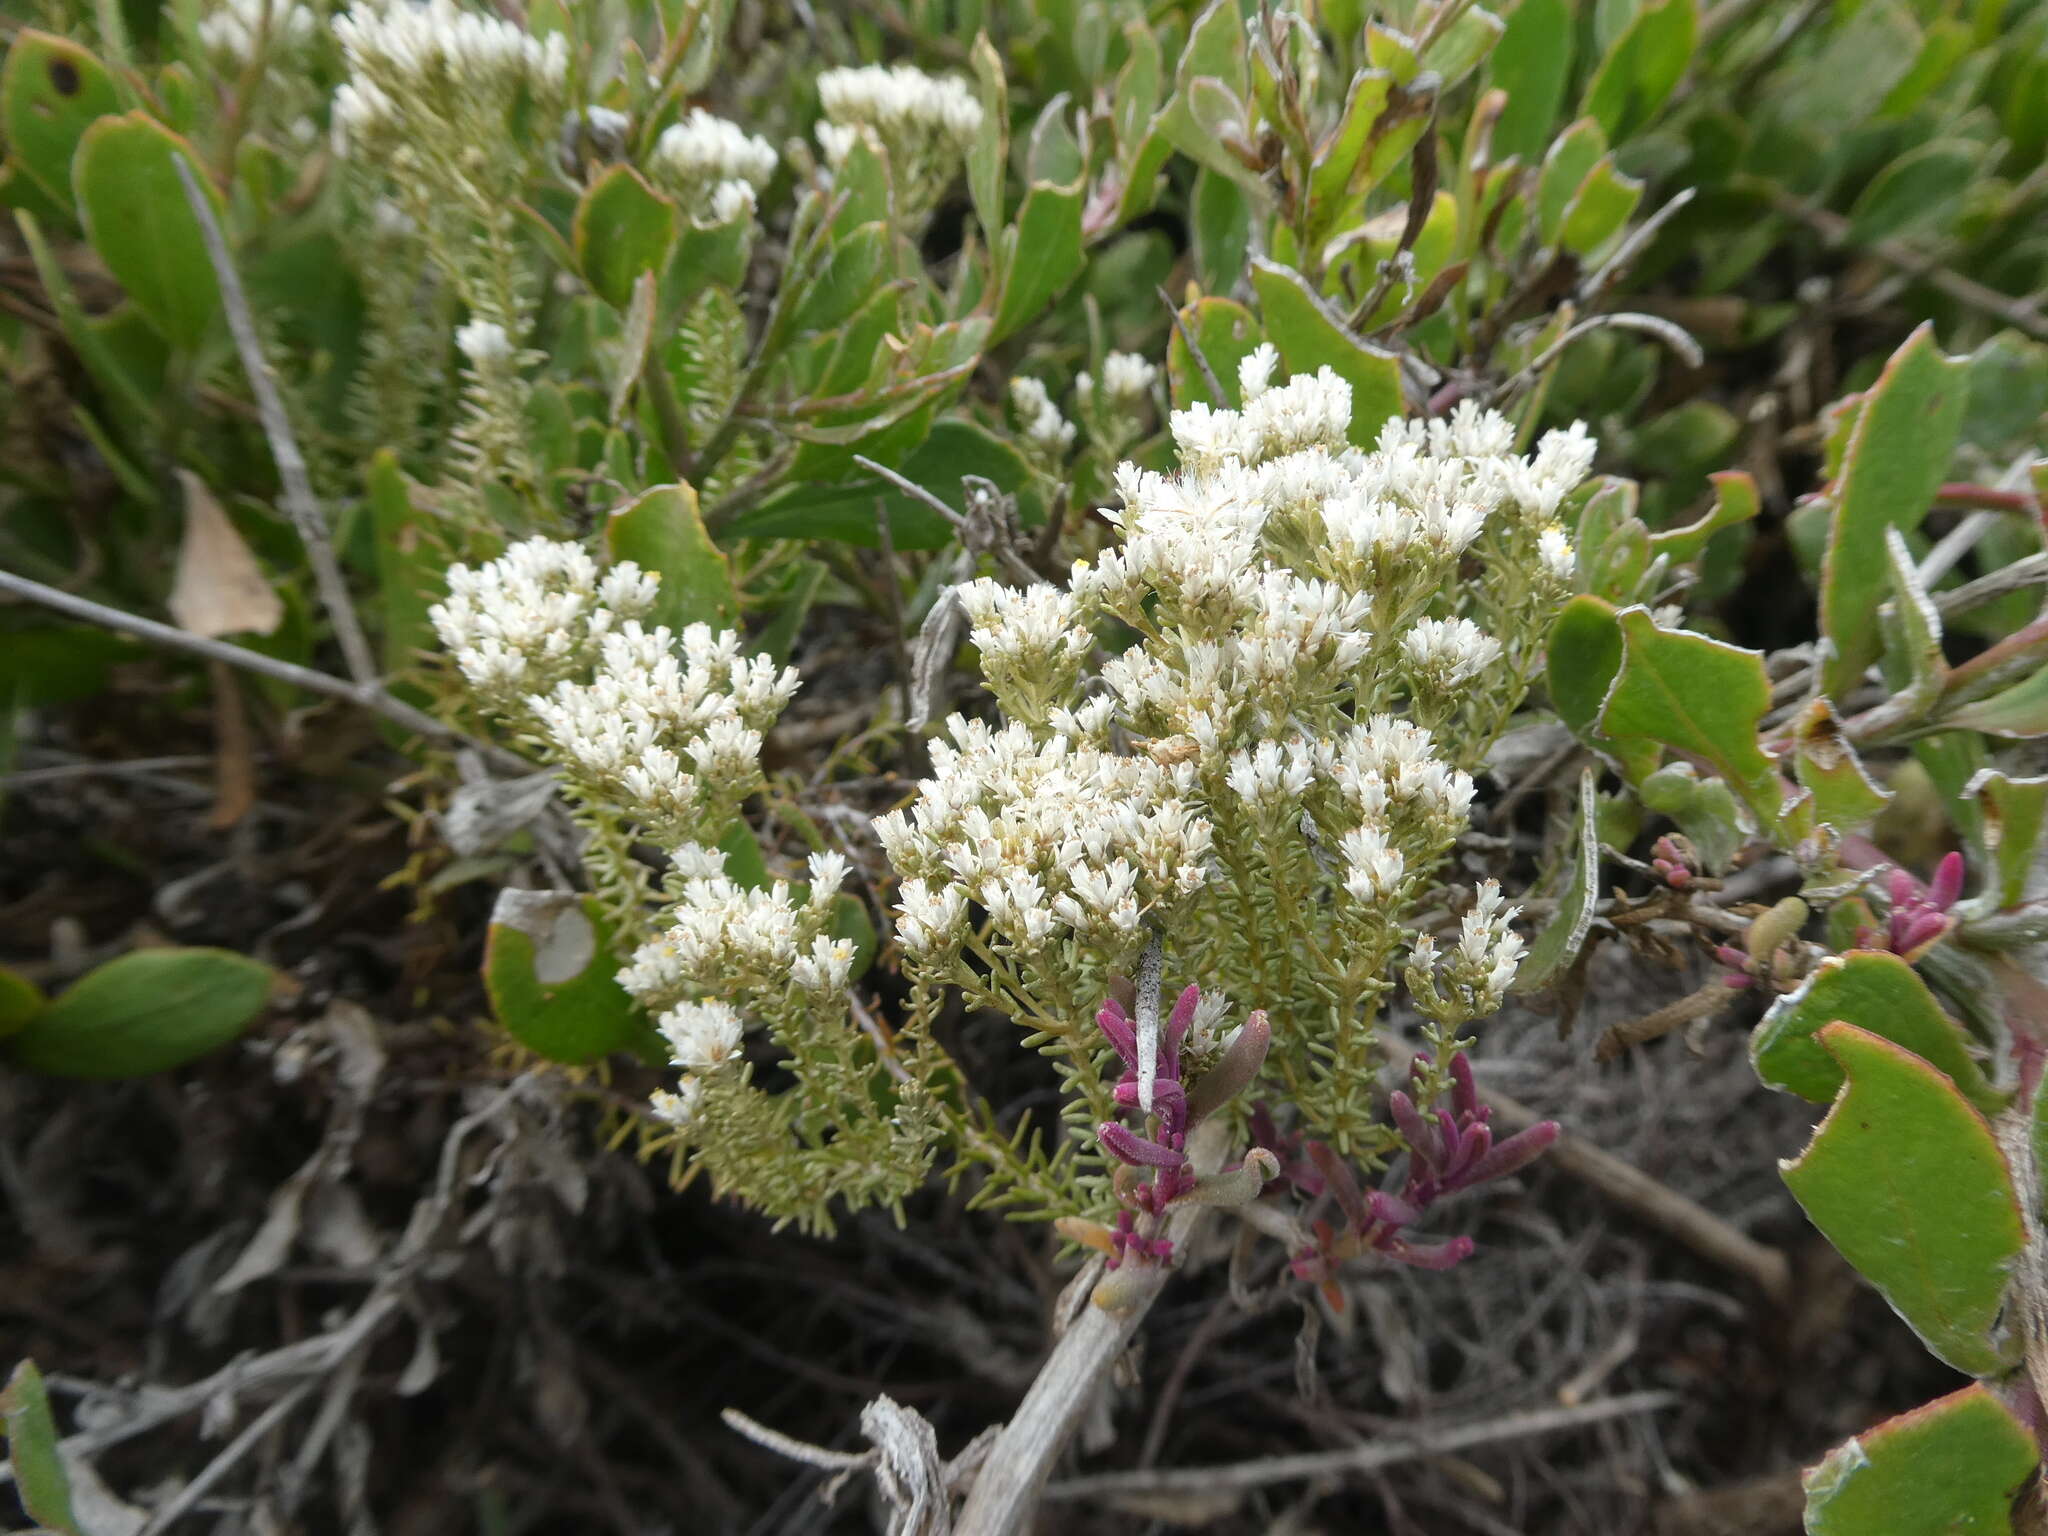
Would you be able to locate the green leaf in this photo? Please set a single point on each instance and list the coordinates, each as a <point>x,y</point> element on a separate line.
<point>147,1011</point>
<point>1571,158</point>
<point>663,531</point>
<point>1705,809</point>
<point>20,1001</point>
<point>1343,162</point>
<point>1735,501</point>
<point>1907,1181</point>
<point>1599,208</point>
<point>39,1476</point>
<point>623,227</point>
<point>1220,220</point>
<point>1698,696</point>
<point>1918,193</point>
<point>854,267</point>
<point>1896,456</point>
<point>1583,658</point>
<point>1876,991</point>
<point>51,91</point>
<point>1227,333</point>
<point>58,663</point>
<point>551,976</point>
<point>1844,795</point>
<point>1309,336</point>
<point>408,565</point>
<point>1643,67</point>
<point>1914,665</point>
<point>1952,1467</point>
<point>1043,254</point>
<point>1565,935</point>
<point>2012,812</point>
<point>1532,64</point>
<point>2020,711</point>
<point>990,152</point>
<point>133,202</point>
<point>1463,45</point>
<point>845,512</point>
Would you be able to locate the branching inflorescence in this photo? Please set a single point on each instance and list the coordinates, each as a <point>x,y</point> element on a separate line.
<point>1238,741</point>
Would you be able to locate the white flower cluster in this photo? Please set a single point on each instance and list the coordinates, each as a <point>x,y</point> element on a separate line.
<point>1053,837</point>
<point>721,942</point>
<point>1290,591</point>
<point>1473,979</point>
<point>1043,426</point>
<point>434,73</point>
<point>715,167</point>
<point>1127,380</point>
<point>667,725</point>
<point>524,621</point>
<point>924,123</point>
<point>233,28</point>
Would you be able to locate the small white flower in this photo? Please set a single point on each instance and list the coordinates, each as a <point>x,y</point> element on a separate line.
<point>1043,425</point>
<point>1127,377</point>
<point>677,1109</point>
<point>484,343</point>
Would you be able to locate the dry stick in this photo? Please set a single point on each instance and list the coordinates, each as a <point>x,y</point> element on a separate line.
<point>189,1496</point>
<point>1013,1477</point>
<point>284,447</point>
<point>370,696</point>
<point>1834,229</point>
<point>1390,1450</point>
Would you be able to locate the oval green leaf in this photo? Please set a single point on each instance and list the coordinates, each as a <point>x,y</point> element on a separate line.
<point>51,91</point>
<point>1908,1182</point>
<point>133,202</point>
<point>551,976</point>
<point>1876,991</point>
<point>1951,1467</point>
<point>148,1011</point>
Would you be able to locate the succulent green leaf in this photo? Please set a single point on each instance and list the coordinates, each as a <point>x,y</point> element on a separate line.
<point>663,531</point>
<point>1565,935</point>
<point>2020,711</point>
<point>1876,991</point>
<point>1907,1181</point>
<point>1044,254</point>
<point>1226,333</point>
<point>1570,159</point>
<point>51,91</point>
<point>1532,64</point>
<point>2011,814</point>
<point>1643,66</point>
<point>990,153</point>
<point>20,1001</point>
<point>623,227</point>
<point>1914,664</point>
<point>1896,455</point>
<point>1310,336</point>
<point>1341,159</point>
<point>133,202</point>
<point>1599,208</point>
<point>1705,809</point>
<point>1696,695</point>
<point>550,973</point>
<point>147,1011</point>
<point>1464,45</point>
<point>1844,794</point>
<point>1220,219</point>
<point>1918,193</point>
<point>1952,1467</point>
<point>1583,658</point>
<point>39,1476</point>
<point>1735,501</point>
